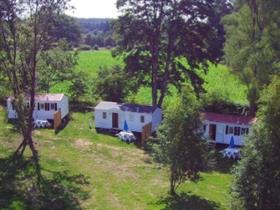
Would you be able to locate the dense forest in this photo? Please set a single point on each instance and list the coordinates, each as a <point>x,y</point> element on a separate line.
<point>96,32</point>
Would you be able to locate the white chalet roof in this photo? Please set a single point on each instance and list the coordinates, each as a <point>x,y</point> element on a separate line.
<point>46,97</point>
<point>50,97</point>
<point>107,105</point>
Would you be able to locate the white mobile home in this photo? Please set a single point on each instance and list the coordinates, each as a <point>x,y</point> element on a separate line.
<point>111,115</point>
<point>220,128</point>
<point>46,106</point>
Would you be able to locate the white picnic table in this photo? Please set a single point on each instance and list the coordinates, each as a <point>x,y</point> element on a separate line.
<point>41,124</point>
<point>233,153</point>
<point>126,136</point>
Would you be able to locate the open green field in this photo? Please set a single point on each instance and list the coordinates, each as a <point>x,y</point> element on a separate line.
<point>219,81</point>
<point>86,170</point>
<point>91,61</point>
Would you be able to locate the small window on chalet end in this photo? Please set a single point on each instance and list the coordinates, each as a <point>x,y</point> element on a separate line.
<point>142,118</point>
<point>237,131</point>
<point>104,115</point>
<point>13,106</point>
<point>47,106</point>
<point>38,106</point>
<point>227,130</point>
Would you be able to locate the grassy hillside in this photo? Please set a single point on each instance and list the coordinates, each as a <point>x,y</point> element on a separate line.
<point>85,170</point>
<point>219,81</point>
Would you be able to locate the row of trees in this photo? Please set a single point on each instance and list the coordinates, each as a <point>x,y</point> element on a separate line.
<point>96,32</point>
<point>252,51</point>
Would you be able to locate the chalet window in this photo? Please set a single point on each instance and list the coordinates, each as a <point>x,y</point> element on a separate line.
<point>227,129</point>
<point>247,131</point>
<point>13,106</point>
<point>38,106</point>
<point>47,106</point>
<point>237,131</point>
<point>104,115</point>
<point>142,118</point>
<point>204,128</point>
<point>230,130</point>
<point>42,106</point>
<point>54,106</point>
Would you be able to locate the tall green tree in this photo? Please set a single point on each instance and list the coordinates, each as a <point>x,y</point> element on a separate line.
<point>257,181</point>
<point>79,86</point>
<point>153,34</point>
<point>24,34</point>
<point>112,84</point>
<point>252,45</point>
<point>181,145</point>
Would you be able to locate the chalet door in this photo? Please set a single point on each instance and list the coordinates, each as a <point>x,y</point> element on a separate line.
<point>212,132</point>
<point>115,120</point>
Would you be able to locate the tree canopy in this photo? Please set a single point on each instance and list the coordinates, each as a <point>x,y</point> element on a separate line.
<point>153,35</point>
<point>257,183</point>
<point>252,46</point>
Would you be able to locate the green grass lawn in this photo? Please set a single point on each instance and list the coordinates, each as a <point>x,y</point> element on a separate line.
<point>91,61</point>
<point>118,175</point>
<point>86,170</point>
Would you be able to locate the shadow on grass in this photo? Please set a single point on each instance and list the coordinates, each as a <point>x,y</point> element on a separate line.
<point>20,189</point>
<point>222,164</point>
<point>184,201</point>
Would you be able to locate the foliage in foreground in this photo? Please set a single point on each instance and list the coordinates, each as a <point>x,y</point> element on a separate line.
<point>252,44</point>
<point>257,180</point>
<point>181,145</point>
<point>21,44</point>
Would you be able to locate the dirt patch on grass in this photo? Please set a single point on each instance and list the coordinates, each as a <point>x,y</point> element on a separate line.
<point>82,144</point>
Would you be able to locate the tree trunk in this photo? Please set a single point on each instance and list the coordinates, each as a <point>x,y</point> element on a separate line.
<point>172,185</point>
<point>164,87</point>
<point>166,71</point>
<point>154,74</point>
